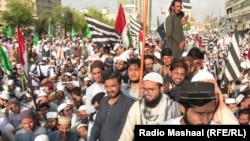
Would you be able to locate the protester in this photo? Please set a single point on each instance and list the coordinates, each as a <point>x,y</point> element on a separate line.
<point>154,107</point>
<point>174,30</point>
<point>113,109</point>
<point>198,104</point>
<point>29,129</point>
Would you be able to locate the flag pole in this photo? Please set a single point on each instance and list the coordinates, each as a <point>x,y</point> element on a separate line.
<point>145,18</point>
<point>31,89</point>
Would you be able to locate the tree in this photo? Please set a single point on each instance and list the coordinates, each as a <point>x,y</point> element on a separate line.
<point>187,27</point>
<point>19,13</point>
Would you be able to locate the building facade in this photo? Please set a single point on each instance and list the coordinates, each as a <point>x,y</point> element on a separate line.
<point>238,14</point>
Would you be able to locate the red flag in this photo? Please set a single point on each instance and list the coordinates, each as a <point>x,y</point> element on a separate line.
<point>21,47</point>
<point>120,26</point>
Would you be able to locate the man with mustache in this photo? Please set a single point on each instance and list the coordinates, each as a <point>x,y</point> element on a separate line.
<point>153,108</point>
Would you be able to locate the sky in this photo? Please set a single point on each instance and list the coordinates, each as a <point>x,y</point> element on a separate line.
<point>200,8</point>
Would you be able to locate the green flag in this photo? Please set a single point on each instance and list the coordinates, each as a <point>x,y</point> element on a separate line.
<point>35,40</point>
<point>88,33</point>
<point>6,65</point>
<point>9,32</point>
<point>130,39</point>
<point>72,33</point>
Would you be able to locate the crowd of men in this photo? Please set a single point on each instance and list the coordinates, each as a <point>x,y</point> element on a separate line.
<point>77,89</point>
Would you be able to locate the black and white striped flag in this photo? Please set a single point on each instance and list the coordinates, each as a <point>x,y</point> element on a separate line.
<point>232,65</point>
<point>186,4</point>
<point>101,32</point>
<point>134,26</point>
<point>212,42</point>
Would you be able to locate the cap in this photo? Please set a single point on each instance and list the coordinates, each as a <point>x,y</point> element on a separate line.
<point>61,107</point>
<point>86,78</point>
<point>42,137</point>
<point>64,120</point>
<point>5,95</point>
<point>197,90</point>
<point>245,81</point>
<point>10,82</point>
<point>157,55</point>
<point>59,87</point>
<point>27,114</point>
<point>109,62</point>
<point>34,83</point>
<point>52,115</point>
<point>81,125</point>
<point>153,76</point>
<point>68,74</point>
<point>121,57</point>
<point>239,98</point>
<point>118,45</point>
<point>41,94</point>
<point>230,101</point>
<point>202,75</point>
<point>82,108</point>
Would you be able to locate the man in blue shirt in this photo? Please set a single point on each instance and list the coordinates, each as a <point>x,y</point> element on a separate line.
<point>29,131</point>
<point>113,109</point>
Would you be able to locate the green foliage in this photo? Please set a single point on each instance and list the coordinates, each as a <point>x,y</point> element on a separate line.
<point>187,27</point>
<point>19,14</point>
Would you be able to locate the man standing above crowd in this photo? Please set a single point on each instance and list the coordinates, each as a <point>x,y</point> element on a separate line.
<point>174,30</point>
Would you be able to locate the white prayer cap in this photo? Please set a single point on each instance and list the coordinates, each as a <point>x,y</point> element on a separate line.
<point>68,74</point>
<point>244,81</point>
<point>239,98</point>
<point>5,95</point>
<point>52,115</point>
<point>27,94</point>
<point>34,83</point>
<point>243,88</point>
<point>82,108</point>
<point>230,101</point>
<point>41,94</point>
<point>75,83</point>
<point>59,87</point>
<point>61,107</point>
<point>69,102</point>
<point>42,137</point>
<point>36,92</point>
<point>118,45</point>
<point>13,63</point>
<point>86,78</point>
<point>157,55</point>
<point>202,75</point>
<point>121,57</point>
<point>18,66</point>
<point>153,76</point>
<point>10,82</point>
<point>81,125</point>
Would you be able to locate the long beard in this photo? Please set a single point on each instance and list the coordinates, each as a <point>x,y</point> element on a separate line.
<point>154,102</point>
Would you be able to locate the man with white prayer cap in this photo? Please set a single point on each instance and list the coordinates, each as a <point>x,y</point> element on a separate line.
<point>63,132</point>
<point>83,117</point>
<point>52,120</point>
<point>13,89</point>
